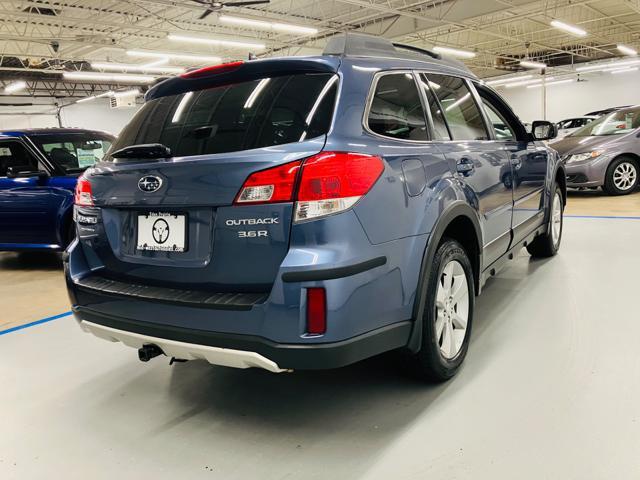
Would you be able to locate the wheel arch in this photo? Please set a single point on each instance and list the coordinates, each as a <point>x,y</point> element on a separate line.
<point>560,178</point>
<point>460,222</point>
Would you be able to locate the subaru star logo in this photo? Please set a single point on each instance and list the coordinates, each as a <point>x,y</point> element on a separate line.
<point>149,183</point>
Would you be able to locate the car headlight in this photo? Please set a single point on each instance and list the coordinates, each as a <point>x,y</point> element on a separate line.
<point>581,157</point>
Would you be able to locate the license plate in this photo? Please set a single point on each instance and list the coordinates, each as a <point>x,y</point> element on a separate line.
<point>163,232</point>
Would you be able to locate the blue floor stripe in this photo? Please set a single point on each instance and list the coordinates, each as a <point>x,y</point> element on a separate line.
<point>602,216</point>
<point>33,324</point>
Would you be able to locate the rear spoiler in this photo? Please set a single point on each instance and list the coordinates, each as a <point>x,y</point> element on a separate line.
<point>237,72</point>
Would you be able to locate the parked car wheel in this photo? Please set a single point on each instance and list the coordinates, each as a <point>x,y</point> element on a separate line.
<point>622,176</point>
<point>448,313</point>
<point>548,244</point>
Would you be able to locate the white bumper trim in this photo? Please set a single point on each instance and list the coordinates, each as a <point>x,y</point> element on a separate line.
<point>188,351</point>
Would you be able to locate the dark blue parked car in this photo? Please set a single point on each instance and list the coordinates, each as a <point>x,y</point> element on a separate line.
<point>304,213</point>
<point>38,174</point>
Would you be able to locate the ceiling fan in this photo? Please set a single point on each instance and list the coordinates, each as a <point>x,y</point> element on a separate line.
<point>214,6</point>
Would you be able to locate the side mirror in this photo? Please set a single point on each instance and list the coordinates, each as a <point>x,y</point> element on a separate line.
<point>24,171</point>
<point>543,130</point>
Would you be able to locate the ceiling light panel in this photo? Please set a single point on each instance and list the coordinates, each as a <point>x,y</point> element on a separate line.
<point>264,25</point>
<point>454,52</point>
<point>216,42</point>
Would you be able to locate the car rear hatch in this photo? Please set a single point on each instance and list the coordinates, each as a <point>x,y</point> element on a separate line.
<point>173,221</point>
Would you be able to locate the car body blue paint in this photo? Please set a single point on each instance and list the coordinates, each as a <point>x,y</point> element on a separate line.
<point>395,220</point>
<point>35,212</point>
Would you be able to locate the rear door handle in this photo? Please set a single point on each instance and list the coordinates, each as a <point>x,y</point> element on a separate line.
<point>465,166</point>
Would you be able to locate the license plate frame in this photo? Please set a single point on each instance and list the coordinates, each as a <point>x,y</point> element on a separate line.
<point>158,231</point>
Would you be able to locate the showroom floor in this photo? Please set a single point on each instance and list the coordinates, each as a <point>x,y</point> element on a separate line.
<point>549,388</point>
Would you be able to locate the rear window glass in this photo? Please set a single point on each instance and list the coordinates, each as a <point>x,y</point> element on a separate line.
<point>242,116</point>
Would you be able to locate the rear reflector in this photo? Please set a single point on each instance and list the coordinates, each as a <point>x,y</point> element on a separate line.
<point>316,311</point>
<point>213,70</point>
<point>332,182</point>
<point>271,185</point>
<point>82,195</point>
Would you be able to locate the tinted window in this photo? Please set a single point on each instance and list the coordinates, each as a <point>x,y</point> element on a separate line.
<point>459,108</point>
<point>396,110</point>
<point>242,116</point>
<point>440,131</point>
<point>15,154</point>
<point>500,126</point>
<point>74,152</point>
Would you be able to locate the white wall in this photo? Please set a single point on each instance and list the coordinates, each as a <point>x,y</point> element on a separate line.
<point>41,112</point>
<point>97,115</point>
<point>599,91</point>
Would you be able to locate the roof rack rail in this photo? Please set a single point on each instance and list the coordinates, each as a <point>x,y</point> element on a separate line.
<point>361,44</point>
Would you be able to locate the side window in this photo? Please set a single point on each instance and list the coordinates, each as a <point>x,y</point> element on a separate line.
<point>15,154</point>
<point>500,126</point>
<point>396,110</point>
<point>459,107</point>
<point>440,131</point>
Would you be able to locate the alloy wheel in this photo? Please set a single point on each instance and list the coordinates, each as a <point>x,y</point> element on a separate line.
<point>625,176</point>
<point>452,309</point>
<point>556,219</point>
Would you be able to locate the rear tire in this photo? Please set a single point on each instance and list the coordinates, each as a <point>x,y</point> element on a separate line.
<point>623,175</point>
<point>448,314</point>
<point>548,244</point>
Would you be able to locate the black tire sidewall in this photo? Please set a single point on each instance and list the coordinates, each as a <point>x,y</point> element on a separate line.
<point>439,367</point>
<point>609,185</point>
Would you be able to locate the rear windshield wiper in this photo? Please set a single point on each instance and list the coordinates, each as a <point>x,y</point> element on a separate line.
<point>143,151</point>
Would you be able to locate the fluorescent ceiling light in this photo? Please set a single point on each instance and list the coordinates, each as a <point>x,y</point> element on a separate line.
<point>625,70</point>
<point>87,99</point>
<point>215,41</point>
<point>263,25</point>
<point>454,52</point>
<point>15,87</point>
<point>530,64</point>
<point>557,82</point>
<point>526,82</point>
<point>108,77</point>
<point>568,28</point>
<point>605,67</point>
<point>175,56</point>
<point>127,93</point>
<point>627,50</point>
<point>504,81</point>
<point>136,68</point>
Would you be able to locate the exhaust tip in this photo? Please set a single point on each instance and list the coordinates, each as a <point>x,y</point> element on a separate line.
<point>147,352</point>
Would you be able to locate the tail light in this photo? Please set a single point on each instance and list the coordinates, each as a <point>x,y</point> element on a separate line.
<point>271,185</point>
<point>83,195</point>
<point>334,181</point>
<point>330,182</point>
<point>316,311</point>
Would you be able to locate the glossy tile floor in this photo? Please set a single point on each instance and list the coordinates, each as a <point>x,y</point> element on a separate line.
<point>549,390</point>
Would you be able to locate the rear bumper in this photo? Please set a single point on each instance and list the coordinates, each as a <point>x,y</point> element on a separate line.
<point>243,351</point>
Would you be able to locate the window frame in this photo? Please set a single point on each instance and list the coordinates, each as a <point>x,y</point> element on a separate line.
<point>504,109</point>
<point>369,102</point>
<point>30,150</point>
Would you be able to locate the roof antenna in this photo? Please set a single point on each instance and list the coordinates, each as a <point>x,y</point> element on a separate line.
<point>252,56</point>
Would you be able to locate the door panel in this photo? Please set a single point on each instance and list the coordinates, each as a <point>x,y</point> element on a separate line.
<point>28,206</point>
<point>479,162</point>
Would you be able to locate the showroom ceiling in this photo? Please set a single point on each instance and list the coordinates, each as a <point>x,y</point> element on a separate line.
<point>41,39</point>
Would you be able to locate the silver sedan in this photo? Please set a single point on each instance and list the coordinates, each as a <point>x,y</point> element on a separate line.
<point>605,153</point>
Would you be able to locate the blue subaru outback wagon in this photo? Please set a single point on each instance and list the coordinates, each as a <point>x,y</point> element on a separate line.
<point>307,213</point>
<point>38,173</point>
